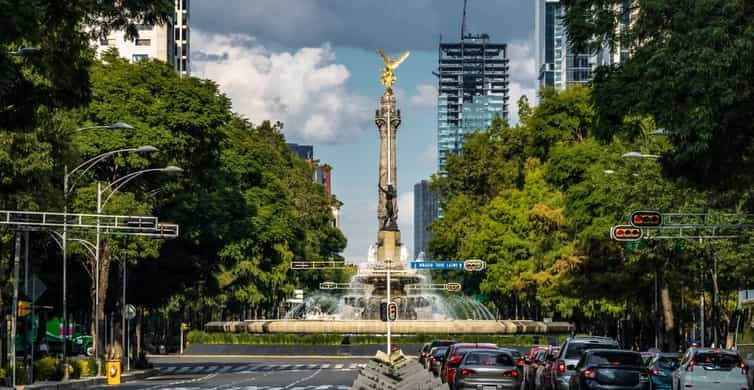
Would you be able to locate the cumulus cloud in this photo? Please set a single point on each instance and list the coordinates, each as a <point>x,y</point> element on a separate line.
<point>304,89</point>
<point>523,75</point>
<point>425,97</point>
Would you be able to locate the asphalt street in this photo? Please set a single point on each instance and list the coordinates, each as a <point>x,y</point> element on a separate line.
<point>250,373</point>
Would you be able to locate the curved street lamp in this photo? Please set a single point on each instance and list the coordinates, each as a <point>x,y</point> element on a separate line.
<point>114,186</point>
<point>638,155</point>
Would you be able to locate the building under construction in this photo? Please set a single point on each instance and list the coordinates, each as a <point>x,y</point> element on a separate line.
<point>473,88</point>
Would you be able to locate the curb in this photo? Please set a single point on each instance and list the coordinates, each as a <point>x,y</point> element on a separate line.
<point>229,356</point>
<point>87,382</point>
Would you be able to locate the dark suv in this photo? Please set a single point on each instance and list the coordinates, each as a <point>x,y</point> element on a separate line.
<point>570,353</point>
<point>424,353</point>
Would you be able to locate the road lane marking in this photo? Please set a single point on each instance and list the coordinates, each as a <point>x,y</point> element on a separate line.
<point>304,379</point>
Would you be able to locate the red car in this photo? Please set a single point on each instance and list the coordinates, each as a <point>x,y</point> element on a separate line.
<point>454,357</point>
<point>531,362</point>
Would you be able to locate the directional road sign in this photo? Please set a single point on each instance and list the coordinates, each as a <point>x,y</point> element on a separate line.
<point>437,265</point>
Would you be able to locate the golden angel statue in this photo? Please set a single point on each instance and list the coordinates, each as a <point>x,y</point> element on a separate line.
<point>388,77</point>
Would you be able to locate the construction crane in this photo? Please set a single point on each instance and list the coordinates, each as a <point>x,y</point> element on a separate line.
<point>463,20</point>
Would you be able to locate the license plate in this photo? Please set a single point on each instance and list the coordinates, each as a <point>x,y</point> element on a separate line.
<point>489,387</point>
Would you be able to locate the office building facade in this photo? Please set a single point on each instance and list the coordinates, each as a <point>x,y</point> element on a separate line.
<point>426,208</point>
<point>169,42</point>
<point>559,65</point>
<point>473,87</point>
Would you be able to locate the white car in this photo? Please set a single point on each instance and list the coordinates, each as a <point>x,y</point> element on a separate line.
<point>711,369</point>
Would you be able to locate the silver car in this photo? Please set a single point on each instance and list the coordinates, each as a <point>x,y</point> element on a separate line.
<point>487,369</point>
<point>711,369</point>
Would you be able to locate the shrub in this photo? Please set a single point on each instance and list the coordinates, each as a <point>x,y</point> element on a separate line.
<point>47,369</point>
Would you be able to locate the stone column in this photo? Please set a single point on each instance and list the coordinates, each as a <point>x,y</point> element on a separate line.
<point>381,117</point>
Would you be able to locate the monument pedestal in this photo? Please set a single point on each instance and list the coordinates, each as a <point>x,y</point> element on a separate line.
<point>389,245</point>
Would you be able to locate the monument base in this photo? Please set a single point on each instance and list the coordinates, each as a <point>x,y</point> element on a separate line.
<point>389,245</point>
<point>395,373</point>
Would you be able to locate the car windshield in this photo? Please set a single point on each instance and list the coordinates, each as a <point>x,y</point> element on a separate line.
<point>610,358</point>
<point>723,361</point>
<point>575,349</point>
<point>667,363</point>
<point>488,359</point>
<point>539,356</point>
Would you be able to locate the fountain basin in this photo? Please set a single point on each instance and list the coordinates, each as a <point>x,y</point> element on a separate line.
<point>397,327</point>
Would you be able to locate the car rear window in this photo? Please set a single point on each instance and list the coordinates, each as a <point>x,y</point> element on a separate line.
<point>723,361</point>
<point>574,350</point>
<point>439,351</point>
<point>489,359</point>
<point>668,363</point>
<point>610,358</point>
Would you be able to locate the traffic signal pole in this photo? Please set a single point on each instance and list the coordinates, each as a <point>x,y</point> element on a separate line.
<point>12,346</point>
<point>389,352</point>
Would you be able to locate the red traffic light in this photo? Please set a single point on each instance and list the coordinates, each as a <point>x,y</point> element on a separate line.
<point>626,233</point>
<point>646,219</point>
<point>392,311</point>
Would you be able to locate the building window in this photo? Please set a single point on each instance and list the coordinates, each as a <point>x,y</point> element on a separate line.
<point>177,33</point>
<point>143,42</point>
<point>183,65</point>
<point>184,50</point>
<point>139,57</point>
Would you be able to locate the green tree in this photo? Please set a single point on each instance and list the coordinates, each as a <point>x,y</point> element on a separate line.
<point>690,69</point>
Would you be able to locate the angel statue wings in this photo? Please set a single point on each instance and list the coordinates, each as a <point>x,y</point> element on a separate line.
<point>388,77</point>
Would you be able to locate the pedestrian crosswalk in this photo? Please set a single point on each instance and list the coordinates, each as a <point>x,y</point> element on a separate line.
<point>240,368</point>
<point>306,387</point>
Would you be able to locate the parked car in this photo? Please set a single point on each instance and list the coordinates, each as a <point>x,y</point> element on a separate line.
<point>559,373</point>
<point>487,369</point>
<point>711,369</point>
<point>454,357</point>
<point>661,369</point>
<point>612,369</point>
<point>543,378</point>
<point>436,359</point>
<point>424,353</point>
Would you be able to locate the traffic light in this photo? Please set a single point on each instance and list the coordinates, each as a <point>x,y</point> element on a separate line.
<point>646,219</point>
<point>626,233</point>
<point>474,265</point>
<point>184,326</point>
<point>24,308</point>
<point>383,311</point>
<point>392,311</point>
<point>453,286</point>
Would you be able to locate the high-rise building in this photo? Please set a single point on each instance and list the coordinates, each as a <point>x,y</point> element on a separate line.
<point>426,208</point>
<point>473,88</point>
<point>558,64</point>
<point>304,152</point>
<point>168,42</point>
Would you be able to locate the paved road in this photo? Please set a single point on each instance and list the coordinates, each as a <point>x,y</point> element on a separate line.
<point>251,373</point>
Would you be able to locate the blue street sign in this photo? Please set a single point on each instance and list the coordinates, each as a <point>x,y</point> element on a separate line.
<point>437,265</point>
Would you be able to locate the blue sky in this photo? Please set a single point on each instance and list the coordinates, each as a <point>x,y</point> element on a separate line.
<point>312,65</point>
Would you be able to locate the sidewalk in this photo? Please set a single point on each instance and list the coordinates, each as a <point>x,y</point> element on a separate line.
<point>87,382</point>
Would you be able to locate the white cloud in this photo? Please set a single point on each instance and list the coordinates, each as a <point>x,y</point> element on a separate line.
<point>516,91</point>
<point>523,75</point>
<point>523,65</point>
<point>425,97</point>
<point>304,89</point>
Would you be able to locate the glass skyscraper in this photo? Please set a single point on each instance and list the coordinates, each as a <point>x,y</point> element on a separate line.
<point>558,65</point>
<point>426,208</point>
<point>473,88</point>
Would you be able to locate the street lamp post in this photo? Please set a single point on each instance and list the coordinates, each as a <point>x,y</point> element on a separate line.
<point>67,189</point>
<point>66,193</point>
<point>113,187</point>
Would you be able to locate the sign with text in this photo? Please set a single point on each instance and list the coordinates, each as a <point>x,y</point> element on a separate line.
<point>437,265</point>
